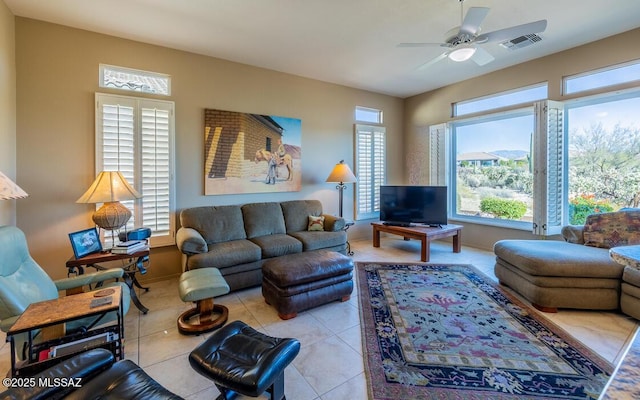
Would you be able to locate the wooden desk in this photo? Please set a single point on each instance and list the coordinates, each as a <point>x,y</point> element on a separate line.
<point>133,263</point>
<point>46,314</point>
<point>423,233</point>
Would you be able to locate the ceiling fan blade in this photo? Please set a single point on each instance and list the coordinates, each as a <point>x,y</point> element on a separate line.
<point>482,57</point>
<point>513,32</point>
<point>417,44</point>
<point>435,60</point>
<point>473,19</point>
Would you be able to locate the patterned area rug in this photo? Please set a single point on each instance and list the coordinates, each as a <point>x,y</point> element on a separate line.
<point>448,332</point>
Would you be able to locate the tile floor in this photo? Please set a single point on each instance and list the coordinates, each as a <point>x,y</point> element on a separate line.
<point>329,366</point>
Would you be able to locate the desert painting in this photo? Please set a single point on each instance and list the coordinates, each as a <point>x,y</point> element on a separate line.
<point>251,153</point>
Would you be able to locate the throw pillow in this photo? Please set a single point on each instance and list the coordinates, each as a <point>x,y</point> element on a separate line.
<point>316,223</point>
<point>607,230</point>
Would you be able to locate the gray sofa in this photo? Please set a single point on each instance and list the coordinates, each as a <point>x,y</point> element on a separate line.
<point>238,239</point>
<point>577,273</point>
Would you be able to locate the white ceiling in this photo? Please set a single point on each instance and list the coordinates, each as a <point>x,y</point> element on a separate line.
<point>348,42</point>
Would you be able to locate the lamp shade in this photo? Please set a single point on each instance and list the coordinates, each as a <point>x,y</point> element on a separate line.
<point>108,187</point>
<point>9,190</point>
<point>341,173</point>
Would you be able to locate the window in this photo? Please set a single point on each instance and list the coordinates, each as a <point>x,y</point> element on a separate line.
<point>526,95</point>
<point>135,136</point>
<point>493,169</point>
<point>580,157</point>
<point>623,73</point>
<point>603,154</point>
<point>489,162</point>
<point>370,169</point>
<point>134,80</point>
<point>366,114</point>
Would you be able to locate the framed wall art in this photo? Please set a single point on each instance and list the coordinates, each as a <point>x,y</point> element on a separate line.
<point>251,153</point>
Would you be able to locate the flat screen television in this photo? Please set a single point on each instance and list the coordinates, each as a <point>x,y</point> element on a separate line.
<point>405,205</point>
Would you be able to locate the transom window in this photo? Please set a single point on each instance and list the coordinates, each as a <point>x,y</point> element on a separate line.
<point>366,114</point>
<point>610,76</point>
<point>520,96</point>
<point>134,80</point>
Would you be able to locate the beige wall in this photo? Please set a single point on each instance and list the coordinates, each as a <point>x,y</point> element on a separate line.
<point>57,73</point>
<point>435,107</point>
<point>7,108</point>
<point>56,81</point>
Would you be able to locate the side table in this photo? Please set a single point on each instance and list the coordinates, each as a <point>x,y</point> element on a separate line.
<point>43,315</point>
<point>133,263</point>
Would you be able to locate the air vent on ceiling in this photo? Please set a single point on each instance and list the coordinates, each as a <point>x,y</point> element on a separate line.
<point>520,42</point>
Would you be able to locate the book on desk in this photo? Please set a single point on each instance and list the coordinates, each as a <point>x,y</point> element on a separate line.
<point>130,247</point>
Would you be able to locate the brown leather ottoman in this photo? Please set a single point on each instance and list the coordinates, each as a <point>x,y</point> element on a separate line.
<point>296,282</point>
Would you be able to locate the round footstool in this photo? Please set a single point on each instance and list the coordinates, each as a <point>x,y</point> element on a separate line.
<point>239,359</point>
<point>201,286</point>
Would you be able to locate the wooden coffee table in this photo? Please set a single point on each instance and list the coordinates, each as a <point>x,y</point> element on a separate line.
<point>420,232</point>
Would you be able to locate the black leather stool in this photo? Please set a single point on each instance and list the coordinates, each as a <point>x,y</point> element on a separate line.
<point>237,358</point>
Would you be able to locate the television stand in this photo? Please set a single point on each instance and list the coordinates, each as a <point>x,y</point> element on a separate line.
<point>423,233</point>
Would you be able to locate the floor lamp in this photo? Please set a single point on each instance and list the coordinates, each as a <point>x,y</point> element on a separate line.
<point>342,174</point>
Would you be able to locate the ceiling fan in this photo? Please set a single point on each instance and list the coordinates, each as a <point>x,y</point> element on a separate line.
<point>462,42</point>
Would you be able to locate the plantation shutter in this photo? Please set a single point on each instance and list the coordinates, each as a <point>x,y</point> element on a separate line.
<point>156,169</point>
<point>438,160</point>
<point>369,169</point>
<point>135,136</point>
<point>548,167</point>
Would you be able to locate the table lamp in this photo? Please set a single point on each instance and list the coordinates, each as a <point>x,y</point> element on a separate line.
<point>341,173</point>
<point>110,188</point>
<point>9,190</point>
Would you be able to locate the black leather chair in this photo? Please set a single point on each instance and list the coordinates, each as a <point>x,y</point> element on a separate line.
<point>89,375</point>
<point>237,358</point>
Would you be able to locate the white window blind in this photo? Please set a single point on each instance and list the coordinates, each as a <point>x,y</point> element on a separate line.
<point>370,169</point>
<point>135,136</point>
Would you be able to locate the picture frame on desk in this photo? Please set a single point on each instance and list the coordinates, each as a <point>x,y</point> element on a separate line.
<point>85,242</point>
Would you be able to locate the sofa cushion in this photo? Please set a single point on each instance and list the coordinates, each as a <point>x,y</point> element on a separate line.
<point>556,258</point>
<point>225,254</point>
<point>607,230</point>
<point>573,233</point>
<point>277,245</point>
<point>216,224</point>
<point>316,223</point>
<point>296,213</point>
<point>314,240</point>
<point>261,219</point>
<point>631,275</point>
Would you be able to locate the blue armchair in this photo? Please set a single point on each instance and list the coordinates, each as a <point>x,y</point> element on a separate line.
<point>23,281</point>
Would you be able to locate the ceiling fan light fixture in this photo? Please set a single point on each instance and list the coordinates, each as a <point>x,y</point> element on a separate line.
<point>462,53</point>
